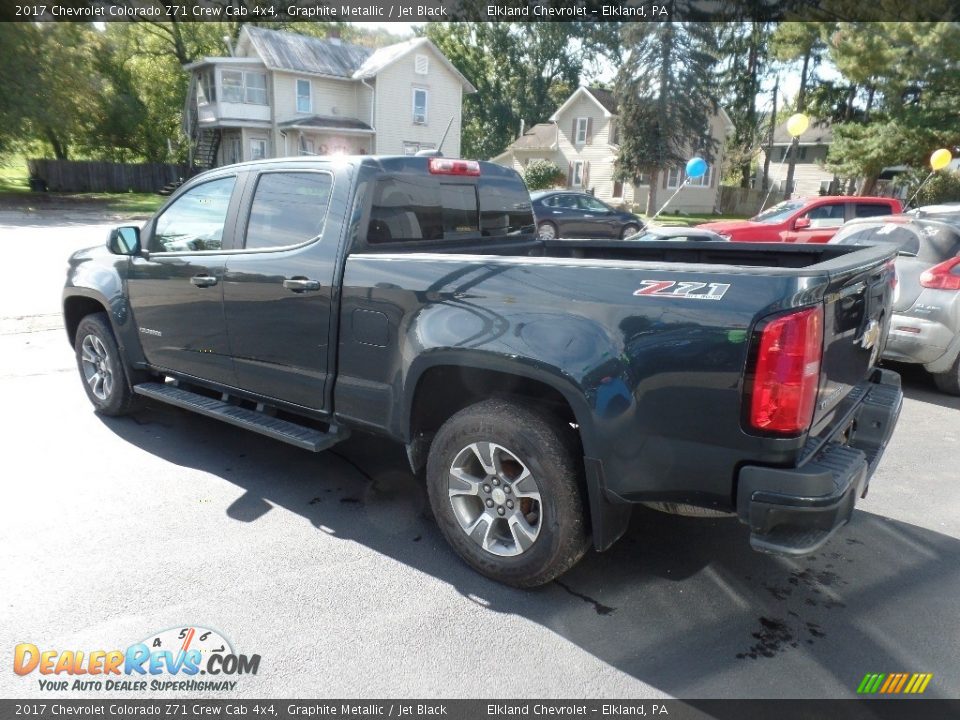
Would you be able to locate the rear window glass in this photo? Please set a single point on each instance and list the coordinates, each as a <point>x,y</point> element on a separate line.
<point>288,209</point>
<point>415,208</point>
<point>928,242</point>
<point>870,209</point>
<point>901,235</point>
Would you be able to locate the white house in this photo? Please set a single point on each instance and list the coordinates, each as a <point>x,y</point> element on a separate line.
<point>282,94</point>
<point>810,176</point>
<point>582,139</point>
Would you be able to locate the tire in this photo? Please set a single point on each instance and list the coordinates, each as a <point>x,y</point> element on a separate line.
<point>538,537</point>
<point>949,380</point>
<point>552,233</point>
<point>101,370</point>
<point>629,230</point>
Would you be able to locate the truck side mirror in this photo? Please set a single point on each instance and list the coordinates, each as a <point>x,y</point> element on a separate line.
<point>124,241</point>
<point>801,223</point>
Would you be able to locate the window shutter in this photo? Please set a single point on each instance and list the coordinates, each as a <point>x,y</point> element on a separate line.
<point>573,133</point>
<point>666,174</point>
<point>570,169</point>
<point>589,131</point>
<point>586,170</point>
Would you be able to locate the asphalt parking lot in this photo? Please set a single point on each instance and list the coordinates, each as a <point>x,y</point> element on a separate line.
<point>329,568</point>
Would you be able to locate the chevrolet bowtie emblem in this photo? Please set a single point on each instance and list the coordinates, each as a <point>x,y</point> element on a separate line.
<point>870,335</point>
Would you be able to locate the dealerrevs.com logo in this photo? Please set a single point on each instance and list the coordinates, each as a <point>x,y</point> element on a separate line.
<point>168,660</point>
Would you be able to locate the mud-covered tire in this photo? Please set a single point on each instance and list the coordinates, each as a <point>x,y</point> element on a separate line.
<point>514,439</point>
<point>949,380</point>
<point>101,369</point>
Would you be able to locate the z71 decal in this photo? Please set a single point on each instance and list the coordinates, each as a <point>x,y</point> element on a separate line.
<point>686,289</point>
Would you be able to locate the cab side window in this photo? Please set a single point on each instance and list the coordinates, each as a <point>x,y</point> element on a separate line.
<point>826,216</point>
<point>288,208</point>
<point>195,220</point>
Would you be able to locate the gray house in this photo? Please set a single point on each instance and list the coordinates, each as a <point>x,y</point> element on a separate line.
<point>281,94</point>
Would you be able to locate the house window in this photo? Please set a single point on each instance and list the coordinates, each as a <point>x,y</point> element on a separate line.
<point>675,176</point>
<point>206,88</point>
<point>705,180</point>
<point>244,87</point>
<point>307,146</point>
<point>233,152</point>
<point>258,148</point>
<point>412,148</point>
<point>576,179</point>
<point>580,137</point>
<point>304,99</point>
<point>419,106</point>
<point>421,65</point>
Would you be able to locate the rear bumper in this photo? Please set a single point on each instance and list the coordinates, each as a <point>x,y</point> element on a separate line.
<point>794,511</point>
<point>917,340</point>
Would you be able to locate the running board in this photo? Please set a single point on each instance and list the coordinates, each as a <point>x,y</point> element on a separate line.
<point>284,430</point>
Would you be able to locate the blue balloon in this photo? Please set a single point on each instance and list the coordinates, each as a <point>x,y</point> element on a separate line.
<point>696,167</point>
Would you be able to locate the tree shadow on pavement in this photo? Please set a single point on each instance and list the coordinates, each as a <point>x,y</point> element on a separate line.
<point>683,604</point>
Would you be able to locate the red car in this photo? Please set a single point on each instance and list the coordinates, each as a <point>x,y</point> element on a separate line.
<point>804,220</point>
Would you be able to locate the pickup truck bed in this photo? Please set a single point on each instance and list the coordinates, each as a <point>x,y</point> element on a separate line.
<point>541,388</point>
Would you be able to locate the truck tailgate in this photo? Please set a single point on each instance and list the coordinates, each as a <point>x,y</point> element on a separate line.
<point>857,305</point>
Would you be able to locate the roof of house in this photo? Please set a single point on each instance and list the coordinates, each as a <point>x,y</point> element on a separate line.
<point>604,97</point>
<point>300,53</point>
<point>542,136</point>
<point>384,56</point>
<point>326,121</point>
<point>820,132</point>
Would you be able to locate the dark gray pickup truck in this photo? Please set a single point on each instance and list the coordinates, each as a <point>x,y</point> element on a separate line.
<point>541,387</point>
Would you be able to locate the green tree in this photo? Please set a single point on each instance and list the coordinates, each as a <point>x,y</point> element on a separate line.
<point>801,42</point>
<point>664,104</point>
<point>743,47</point>
<point>522,72</point>
<point>912,91</point>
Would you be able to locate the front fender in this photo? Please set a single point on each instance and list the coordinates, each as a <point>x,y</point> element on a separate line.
<point>97,276</point>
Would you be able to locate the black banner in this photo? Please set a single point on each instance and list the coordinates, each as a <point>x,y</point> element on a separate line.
<point>887,709</point>
<point>420,11</point>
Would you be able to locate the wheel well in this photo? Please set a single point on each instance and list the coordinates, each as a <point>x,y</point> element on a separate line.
<point>76,309</point>
<point>443,391</point>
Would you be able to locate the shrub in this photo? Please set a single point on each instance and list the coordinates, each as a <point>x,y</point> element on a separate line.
<point>543,174</point>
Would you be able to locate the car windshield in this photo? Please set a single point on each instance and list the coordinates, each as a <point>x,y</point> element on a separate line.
<point>779,212</point>
<point>905,237</point>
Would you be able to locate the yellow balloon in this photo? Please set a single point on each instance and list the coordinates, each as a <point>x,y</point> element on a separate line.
<point>940,159</point>
<point>797,124</point>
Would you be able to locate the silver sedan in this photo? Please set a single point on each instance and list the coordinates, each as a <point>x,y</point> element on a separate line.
<point>925,327</point>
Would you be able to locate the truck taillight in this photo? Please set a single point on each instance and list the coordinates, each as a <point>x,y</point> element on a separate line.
<point>787,373</point>
<point>446,166</point>
<point>945,276</point>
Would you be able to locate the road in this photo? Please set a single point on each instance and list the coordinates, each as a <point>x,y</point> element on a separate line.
<point>330,569</point>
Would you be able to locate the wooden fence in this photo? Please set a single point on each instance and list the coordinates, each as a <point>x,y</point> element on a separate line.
<point>84,176</point>
<point>744,201</point>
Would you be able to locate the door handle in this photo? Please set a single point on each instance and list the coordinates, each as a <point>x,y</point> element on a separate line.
<point>203,281</point>
<point>299,285</point>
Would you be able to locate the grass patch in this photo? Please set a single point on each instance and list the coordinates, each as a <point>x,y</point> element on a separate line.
<point>140,203</point>
<point>15,193</point>
<point>694,219</point>
<point>13,176</point>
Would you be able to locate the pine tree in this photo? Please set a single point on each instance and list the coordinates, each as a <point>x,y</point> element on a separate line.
<point>665,99</point>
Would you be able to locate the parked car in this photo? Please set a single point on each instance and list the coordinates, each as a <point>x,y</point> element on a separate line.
<point>540,396</point>
<point>668,232</point>
<point>926,302</point>
<point>562,213</point>
<point>804,220</point>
